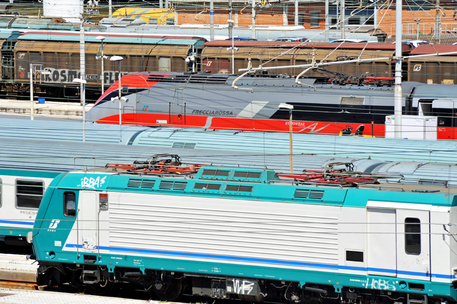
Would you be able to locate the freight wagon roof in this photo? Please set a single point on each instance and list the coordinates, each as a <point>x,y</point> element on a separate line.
<point>424,49</point>
<point>109,40</point>
<point>306,45</point>
<point>112,35</point>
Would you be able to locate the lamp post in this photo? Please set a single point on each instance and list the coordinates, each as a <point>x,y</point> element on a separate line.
<point>34,69</point>
<point>83,101</point>
<point>233,48</point>
<point>32,75</point>
<point>417,28</point>
<point>119,59</point>
<point>102,57</point>
<point>290,108</point>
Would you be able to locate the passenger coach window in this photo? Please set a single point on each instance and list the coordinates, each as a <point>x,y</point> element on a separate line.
<point>29,193</point>
<point>69,203</point>
<point>0,192</point>
<point>412,236</point>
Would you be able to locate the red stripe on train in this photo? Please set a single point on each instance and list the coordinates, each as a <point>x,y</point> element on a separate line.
<point>244,124</point>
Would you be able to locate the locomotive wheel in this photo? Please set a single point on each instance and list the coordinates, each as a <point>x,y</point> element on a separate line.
<point>50,279</point>
<point>102,288</point>
<point>171,290</point>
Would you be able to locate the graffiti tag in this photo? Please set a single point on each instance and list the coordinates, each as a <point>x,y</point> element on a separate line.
<point>92,183</point>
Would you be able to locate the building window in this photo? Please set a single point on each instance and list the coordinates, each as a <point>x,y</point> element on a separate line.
<point>29,193</point>
<point>69,203</point>
<point>314,19</point>
<point>412,236</point>
<point>417,5</point>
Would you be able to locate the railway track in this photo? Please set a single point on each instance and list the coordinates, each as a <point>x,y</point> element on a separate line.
<point>18,286</point>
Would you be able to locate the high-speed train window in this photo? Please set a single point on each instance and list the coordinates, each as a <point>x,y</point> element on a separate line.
<point>69,203</point>
<point>29,193</point>
<point>412,236</point>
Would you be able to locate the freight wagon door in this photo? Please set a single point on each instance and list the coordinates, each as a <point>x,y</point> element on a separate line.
<point>381,242</point>
<point>87,220</point>
<point>413,244</point>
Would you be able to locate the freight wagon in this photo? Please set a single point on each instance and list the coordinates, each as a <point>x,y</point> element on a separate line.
<point>52,59</point>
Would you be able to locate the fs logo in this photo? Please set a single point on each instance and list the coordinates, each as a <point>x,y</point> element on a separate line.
<point>53,225</point>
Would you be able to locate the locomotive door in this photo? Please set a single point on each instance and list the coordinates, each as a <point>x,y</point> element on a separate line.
<point>88,220</point>
<point>127,105</point>
<point>381,242</point>
<point>178,108</point>
<point>413,244</point>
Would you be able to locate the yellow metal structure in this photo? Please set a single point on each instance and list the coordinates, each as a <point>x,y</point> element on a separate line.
<point>159,16</point>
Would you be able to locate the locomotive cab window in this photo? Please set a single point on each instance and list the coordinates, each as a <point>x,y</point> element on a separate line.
<point>412,236</point>
<point>69,201</point>
<point>29,193</point>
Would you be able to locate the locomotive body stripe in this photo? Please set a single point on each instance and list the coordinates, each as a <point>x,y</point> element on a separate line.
<point>266,261</point>
<point>16,223</point>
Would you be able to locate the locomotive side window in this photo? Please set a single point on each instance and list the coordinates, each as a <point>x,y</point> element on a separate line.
<point>301,193</point>
<point>167,185</point>
<point>29,193</point>
<point>69,203</point>
<point>412,236</point>
<point>354,256</point>
<point>179,186</point>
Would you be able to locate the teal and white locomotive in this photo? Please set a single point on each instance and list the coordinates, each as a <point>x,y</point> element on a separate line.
<point>246,233</point>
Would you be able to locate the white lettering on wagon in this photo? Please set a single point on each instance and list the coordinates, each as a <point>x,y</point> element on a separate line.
<point>91,182</point>
<point>67,75</point>
<point>380,284</point>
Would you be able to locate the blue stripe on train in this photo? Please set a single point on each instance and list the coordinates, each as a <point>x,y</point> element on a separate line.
<point>268,261</point>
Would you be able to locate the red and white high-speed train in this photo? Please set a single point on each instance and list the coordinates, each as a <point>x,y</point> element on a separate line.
<point>213,101</point>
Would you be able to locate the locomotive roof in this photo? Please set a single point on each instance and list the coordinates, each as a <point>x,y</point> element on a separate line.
<point>259,184</point>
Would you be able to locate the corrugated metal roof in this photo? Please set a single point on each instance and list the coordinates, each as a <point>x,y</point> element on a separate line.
<point>387,149</point>
<point>56,145</point>
<point>65,130</point>
<point>65,156</point>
